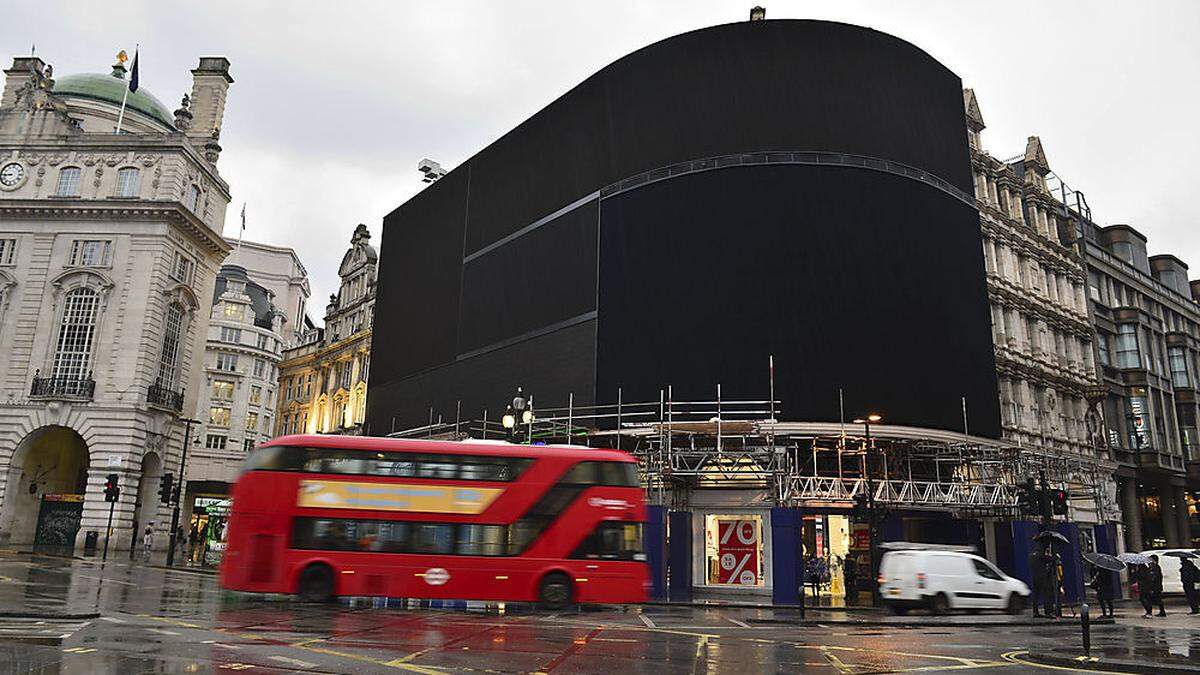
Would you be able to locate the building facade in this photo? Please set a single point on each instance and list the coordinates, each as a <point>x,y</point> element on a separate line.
<point>1041,323</point>
<point>109,251</point>
<point>323,381</point>
<point>279,270</point>
<point>1147,325</point>
<point>247,334</point>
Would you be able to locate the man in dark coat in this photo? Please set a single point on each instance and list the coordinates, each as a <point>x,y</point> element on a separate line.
<point>1037,577</point>
<point>1153,579</point>
<point>1189,574</point>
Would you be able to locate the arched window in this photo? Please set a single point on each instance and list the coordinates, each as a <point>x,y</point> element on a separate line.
<point>68,182</point>
<point>76,333</point>
<point>168,362</point>
<point>127,182</point>
<point>193,197</point>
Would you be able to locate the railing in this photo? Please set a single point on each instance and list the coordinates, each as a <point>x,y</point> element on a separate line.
<point>164,397</point>
<point>82,388</point>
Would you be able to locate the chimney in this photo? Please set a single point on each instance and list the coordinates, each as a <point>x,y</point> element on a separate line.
<point>24,69</point>
<point>210,85</point>
<point>758,13</point>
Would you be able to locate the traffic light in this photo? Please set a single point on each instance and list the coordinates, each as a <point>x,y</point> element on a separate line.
<point>111,488</point>
<point>165,491</point>
<point>1059,502</point>
<point>1027,498</point>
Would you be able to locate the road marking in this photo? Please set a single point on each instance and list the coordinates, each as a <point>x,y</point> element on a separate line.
<point>80,650</point>
<point>293,662</point>
<point>735,622</point>
<point>110,619</point>
<point>235,666</point>
<point>646,620</point>
<point>1015,657</point>
<point>161,631</point>
<point>835,661</point>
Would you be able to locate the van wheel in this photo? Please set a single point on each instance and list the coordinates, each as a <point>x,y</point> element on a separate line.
<point>940,604</point>
<point>555,591</point>
<point>1016,604</point>
<point>316,583</point>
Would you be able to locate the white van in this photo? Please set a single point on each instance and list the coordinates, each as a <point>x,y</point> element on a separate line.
<point>942,580</point>
<point>1170,567</point>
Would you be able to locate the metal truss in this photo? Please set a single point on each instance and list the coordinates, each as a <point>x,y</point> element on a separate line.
<point>682,446</point>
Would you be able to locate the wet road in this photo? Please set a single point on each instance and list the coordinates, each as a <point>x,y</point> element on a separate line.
<point>70,616</point>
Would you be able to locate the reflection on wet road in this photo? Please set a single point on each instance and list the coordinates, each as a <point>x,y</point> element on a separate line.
<point>70,616</point>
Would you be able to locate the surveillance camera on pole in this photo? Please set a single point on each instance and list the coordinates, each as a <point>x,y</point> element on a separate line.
<point>431,170</point>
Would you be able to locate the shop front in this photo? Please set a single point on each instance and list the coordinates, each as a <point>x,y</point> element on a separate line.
<point>207,530</point>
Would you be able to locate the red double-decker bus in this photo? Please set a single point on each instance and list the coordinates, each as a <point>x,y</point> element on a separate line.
<point>326,516</point>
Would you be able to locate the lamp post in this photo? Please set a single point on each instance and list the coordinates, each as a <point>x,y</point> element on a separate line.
<point>520,411</point>
<point>872,515</point>
<point>187,436</point>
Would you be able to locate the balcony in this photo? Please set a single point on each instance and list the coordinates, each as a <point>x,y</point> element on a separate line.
<point>164,397</point>
<point>63,387</point>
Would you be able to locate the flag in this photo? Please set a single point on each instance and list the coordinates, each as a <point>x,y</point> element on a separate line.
<point>133,73</point>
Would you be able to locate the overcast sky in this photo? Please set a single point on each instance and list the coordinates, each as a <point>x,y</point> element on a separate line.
<point>335,103</point>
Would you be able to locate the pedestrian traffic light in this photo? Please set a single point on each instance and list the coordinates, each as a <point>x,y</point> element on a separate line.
<point>111,489</point>
<point>1059,502</point>
<point>164,489</point>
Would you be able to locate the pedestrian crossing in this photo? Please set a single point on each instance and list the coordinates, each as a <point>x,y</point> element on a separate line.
<point>45,631</point>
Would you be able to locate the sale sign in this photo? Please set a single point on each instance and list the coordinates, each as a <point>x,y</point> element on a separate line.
<point>737,547</point>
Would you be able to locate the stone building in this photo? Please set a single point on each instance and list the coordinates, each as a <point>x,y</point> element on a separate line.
<point>247,334</point>
<point>323,382</point>
<point>1147,325</point>
<point>279,270</point>
<point>109,250</point>
<point>1040,320</point>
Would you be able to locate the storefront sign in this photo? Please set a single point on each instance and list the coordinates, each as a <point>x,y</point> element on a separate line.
<point>327,494</point>
<point>737,547</point>
<point>862,537</point>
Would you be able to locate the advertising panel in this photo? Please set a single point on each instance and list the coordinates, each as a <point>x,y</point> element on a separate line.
<point>328,494</point>
<point>737,547</point>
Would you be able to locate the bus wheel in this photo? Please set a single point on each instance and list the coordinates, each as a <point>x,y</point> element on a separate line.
<point>316,583</point>
<point>555,591</point>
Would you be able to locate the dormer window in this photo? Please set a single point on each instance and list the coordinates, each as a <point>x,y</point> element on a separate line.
<point>128,182</point>
<point>68,182</point>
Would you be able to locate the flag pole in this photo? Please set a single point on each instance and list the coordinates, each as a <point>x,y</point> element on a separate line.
<point>242,232</point>
<point>121,116</point>
<point>125,97</point>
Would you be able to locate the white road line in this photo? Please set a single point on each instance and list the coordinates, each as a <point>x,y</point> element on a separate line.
<point>111,619</point>
<point>735,622</point>
<point>293,662</point>
<point>161,631</point>
<point>646,620</point>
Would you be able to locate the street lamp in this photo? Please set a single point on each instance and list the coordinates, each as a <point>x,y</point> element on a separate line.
<point>519,411</point>
<point>508,421</point>
<point>872,514</point>
<point>187,433</point>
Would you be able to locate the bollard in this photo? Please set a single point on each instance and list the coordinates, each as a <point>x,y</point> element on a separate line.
<point>1085,624</point>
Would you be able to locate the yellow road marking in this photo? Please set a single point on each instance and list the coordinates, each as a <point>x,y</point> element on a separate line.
<point>837,663</point>
<point>1015,657</point>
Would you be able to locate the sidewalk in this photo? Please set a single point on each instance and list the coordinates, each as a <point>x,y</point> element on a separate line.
<point>1110,661</point>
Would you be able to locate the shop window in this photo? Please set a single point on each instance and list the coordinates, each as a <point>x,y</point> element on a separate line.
<point>733,550</point>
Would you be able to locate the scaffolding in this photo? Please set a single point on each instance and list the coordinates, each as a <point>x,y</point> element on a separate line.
<point>682,446</point>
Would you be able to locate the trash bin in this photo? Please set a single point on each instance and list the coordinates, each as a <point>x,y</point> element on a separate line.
<point>89,542</point>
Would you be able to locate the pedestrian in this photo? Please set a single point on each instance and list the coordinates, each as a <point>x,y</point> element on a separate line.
<point>1057,573</point>
<point>1154,587</point>
<point>1101,583</point>
<point>1189,574</point>
<point>1037,578</point>
<point>850,578</point>
<point>147,543</point>
<point>193,539</point>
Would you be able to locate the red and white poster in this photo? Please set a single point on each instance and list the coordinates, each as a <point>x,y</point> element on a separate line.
<point>737,548</point>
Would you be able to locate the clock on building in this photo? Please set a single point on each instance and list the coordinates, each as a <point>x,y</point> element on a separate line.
<point>11,174</point>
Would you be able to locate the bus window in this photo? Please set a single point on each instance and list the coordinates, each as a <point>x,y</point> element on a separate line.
<point>437,466</point>
<point>612,540</point>
<point>481,539</point>
<point>619,474</point>
<point>431,538</point>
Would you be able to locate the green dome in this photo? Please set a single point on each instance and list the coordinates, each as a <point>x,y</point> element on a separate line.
<point>110,89</point>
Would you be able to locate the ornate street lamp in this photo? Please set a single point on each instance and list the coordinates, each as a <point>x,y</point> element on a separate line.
<point>872,513</point>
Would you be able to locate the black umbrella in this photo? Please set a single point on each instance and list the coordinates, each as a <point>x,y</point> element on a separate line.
<point>1050,534</point>
<point>1104,561</point>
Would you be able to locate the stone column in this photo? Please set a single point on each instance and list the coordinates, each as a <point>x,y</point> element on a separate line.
<point>1131,515</point>
<point>1166,511</point>
<point>1181,514</point>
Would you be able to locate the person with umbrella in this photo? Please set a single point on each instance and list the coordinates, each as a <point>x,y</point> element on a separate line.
<point>1101,581</point>
<point>1037,578</point>
<point>1050,578</point>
